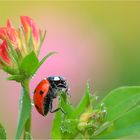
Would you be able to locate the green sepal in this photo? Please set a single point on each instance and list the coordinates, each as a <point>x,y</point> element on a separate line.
<point>30,42</point>
<point>42,37</point>
<point>7,68</point>
<point>13,51</point>
<point>28,64</point>
<point>17,78</point>
<point>43,60</point>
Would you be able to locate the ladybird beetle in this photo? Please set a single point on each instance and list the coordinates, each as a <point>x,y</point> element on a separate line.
<point>46,91</point>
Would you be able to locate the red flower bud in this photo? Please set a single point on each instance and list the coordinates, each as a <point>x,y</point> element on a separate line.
<point>13,36</point>
<point>21,40</point>
<point>29,25</point>
<point>3,52</point>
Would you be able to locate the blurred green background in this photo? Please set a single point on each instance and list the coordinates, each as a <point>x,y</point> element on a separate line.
<point>96,41</point>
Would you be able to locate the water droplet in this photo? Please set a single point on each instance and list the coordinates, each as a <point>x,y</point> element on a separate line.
<point>33,76</point>
<point>21,101</point>
<point>32,103</point>
<point>63,129</point>
<point>104,111</point>
<point>102,104</point>
<point>96,97</point>
<point>59,98</point>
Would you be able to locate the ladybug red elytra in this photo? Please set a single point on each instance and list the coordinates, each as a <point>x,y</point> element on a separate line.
<point>46,91</point>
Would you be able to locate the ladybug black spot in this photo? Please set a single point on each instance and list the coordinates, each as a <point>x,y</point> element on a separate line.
<point>41,92</point>
<point>36,106</point>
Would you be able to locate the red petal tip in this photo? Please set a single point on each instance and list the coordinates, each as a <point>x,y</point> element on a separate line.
<point>9,23</point>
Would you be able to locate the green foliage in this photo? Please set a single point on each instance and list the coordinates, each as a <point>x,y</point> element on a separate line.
<point>126,125</point>
<point>65,125</point>
<point>116,116</point>
<point>120,100</point>
<point>2,132</point>
<point>123,112</point>
<point>56,133</point>
<point>58,127</point>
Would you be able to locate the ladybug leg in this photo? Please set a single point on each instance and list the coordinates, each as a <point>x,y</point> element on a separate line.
<point>68,94</point>
<point>53,111</point>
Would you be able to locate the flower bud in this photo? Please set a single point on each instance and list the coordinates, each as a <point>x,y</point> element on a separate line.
<point>17,43</point>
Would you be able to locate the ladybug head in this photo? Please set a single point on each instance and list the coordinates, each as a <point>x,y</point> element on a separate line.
<point>58,83</point>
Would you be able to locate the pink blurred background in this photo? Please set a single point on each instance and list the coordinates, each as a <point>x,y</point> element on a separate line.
<point>94,41</point>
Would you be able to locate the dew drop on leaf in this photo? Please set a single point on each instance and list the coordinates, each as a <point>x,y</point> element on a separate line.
<point>102,104</point>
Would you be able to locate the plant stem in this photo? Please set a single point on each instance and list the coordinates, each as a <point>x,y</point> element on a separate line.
<point>26,90</point>
<point>24,121</point>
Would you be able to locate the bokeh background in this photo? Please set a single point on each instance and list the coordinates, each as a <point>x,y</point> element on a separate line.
<point>96,41</point>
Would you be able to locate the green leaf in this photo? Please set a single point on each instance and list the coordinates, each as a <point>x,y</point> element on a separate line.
<point>56,132</point>
<point>66,106</point>
<point>103,127</point>
<point>65,125</point>
<point>127,124</point>
<point>27,136</point>
<point>2,132</point>
<point>119,101</point>
<point>69,128</point>
<point>84,101</point>
<point>60,117</point>
<point>25,110</point>
<point>29,63</point>
<point>17,78</point>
